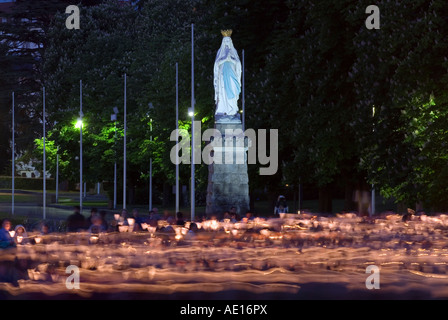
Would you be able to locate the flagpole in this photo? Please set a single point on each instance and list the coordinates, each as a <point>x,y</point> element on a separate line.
<point>124,148</point>
<point>13,156</point>
<point>177,138</point>
<point>150,171</point>
<point>244,111</point>
<point>44,169</point>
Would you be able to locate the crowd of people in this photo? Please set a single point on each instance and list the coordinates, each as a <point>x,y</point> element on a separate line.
<point>100,222</point>
<point>97,222</point>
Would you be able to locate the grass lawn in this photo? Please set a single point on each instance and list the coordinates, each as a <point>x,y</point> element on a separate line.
<point>70,202</point>
<point>6,197</point>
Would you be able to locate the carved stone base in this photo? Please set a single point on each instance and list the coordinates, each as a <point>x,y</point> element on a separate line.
<point>228,184</point>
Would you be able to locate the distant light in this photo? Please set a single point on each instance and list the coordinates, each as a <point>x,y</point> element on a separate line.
<point>287,185</point>
<point>190,112</point>
<point>78,124</point>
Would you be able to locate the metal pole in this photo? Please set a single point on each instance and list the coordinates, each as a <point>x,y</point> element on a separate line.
<point>80,146</point>
<point>13,156</point>
<point>115,185</point>
<point>372,211</point>
<point>150,173</point>
<point>44,176</point>
<point>115,168</point>
<point>192,199</point>
<point>177,137</point>
<point>244,110</point>
<point>57,175</point>
<point>124,148</point>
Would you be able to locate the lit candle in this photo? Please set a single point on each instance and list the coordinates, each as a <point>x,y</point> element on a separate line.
<point>38,239</point>
<point>19,239</point>
<point>12,233</point>
<point>116,216</point>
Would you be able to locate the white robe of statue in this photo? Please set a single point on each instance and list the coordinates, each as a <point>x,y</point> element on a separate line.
<point>227,79</point>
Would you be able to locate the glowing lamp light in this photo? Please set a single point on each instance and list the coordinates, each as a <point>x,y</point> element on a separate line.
<point>151,230</point>
<point>78,124</point>
<point>190,112</point>
<point>94,239</point>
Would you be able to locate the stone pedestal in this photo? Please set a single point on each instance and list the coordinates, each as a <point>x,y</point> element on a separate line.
<point>228,183</point>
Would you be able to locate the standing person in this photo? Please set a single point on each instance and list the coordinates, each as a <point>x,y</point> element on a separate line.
<point>180,219</point>
<point>280,206</point>
<point>104,222</point>
<point>93,213</point>
<point>166,215</point>
<point>138,219</point>
<point>5,238</point>
<point>75,221</point>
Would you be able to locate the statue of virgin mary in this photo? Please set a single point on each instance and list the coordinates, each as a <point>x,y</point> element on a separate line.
<point>227,78</point>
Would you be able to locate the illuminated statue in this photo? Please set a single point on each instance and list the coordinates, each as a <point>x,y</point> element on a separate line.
<point>227,79</point>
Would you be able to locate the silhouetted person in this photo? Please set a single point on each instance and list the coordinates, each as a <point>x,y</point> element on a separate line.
<point>93,213</point>
<point>138,220</point>
<point>180,219</point>
<point>280,206</point>
<point>103,219</point>
<point>76,221</point>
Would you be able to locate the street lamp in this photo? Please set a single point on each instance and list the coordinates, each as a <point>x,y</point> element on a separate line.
<point>191,113</point>
<point>79,125</point>
<point>192,199</point>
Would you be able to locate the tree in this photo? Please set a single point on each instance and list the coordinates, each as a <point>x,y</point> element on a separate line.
<point>401,72</point>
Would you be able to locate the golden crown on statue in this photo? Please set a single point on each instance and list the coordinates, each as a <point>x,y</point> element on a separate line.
<point>226,33</point>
